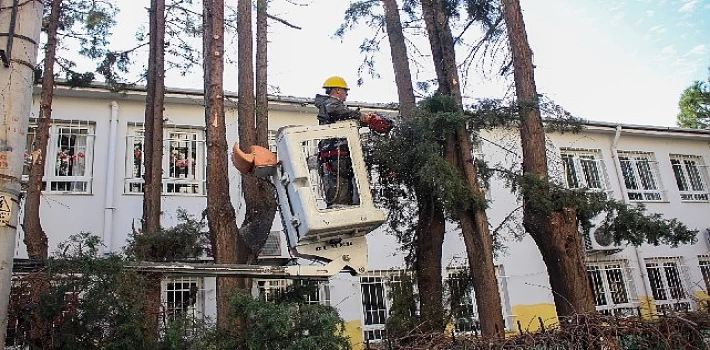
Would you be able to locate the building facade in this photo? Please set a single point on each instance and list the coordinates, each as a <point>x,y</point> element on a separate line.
<point>94,184</point>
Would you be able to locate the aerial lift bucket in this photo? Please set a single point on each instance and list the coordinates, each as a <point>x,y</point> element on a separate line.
<point>315,228</point>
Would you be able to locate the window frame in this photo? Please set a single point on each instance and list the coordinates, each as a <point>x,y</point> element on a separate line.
<point>582,178</point>
<point>605,302</point>
<point>192,310</point>
<point>196,176</point>
<point>269,289</point>
<point>375,331</point>
<point>469,308</point>
<point>458,273</point>
<point>704,266</point>
<point>701,177</point>
<point>383,280</point>
<point>634,161</point>
<point>670,301</point>
<point>51,181</point>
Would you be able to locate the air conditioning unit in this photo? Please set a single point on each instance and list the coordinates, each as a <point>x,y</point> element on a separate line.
<point>275,247</point>
<point>598,239</point>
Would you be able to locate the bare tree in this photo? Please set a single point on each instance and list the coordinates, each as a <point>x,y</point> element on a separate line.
<point>556,234</point>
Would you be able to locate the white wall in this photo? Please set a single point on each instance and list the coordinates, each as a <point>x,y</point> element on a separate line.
<point>525,274</point>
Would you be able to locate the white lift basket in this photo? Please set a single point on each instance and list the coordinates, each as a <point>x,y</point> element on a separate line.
<point>307,218</point>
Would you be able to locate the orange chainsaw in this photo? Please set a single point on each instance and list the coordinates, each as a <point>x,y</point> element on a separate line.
<point>380,123</point>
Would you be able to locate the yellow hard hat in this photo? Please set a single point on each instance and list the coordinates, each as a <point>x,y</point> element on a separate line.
<point>335,82</point>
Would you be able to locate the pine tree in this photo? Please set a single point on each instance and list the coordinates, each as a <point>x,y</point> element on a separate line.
<point>458,152</point>
<point>556,234</point>
<point>65,23</point>
<point>220,212</point>
<point>84,23</point>
<point>694,106</point>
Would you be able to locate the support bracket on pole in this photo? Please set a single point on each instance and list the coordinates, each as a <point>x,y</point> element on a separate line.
<point>7,54</point>
<point>4,58</point>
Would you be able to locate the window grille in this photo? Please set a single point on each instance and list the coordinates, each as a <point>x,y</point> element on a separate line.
<point>641,176</point>
<point>183,299</point>
<point>584,169</point>
<point>183,163</point>
<point>272,140</point>
<point>704,264</point>
<point>271,289</point>
<point>376,290</point>
<point>463,303</point>
<point>611,288</point>
<point>69,160</point>
<point>669,293</point>
<point>374,304</point>
<point>462,300</point>
<point>690,176</point>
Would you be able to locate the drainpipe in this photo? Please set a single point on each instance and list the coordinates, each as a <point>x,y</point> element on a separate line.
<point>625,199</point>
<point>110,177</point>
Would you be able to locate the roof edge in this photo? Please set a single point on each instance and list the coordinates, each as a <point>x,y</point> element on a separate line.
<point>393,106</point>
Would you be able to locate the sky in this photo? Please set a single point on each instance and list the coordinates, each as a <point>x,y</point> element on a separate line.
<point>624,61</point>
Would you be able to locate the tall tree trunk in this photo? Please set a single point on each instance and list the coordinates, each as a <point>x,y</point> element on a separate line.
<point>220,212</point>
<point>259,194</point>
<point>153,157</point>
<point>430,226</point>
<point>474,221</point>
<point>35,237</point>
<point>400,59</point>
<point>430,236</point>
<point>154,104</point>
<point>555,234</point>
<point>262,98</point>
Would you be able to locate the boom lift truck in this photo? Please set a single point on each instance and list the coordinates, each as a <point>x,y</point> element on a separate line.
<point>333,235</point>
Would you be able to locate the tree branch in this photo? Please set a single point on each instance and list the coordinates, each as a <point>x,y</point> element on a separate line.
<point>283,21</point>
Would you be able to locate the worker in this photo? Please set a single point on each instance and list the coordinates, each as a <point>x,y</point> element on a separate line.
<point>334,163</point>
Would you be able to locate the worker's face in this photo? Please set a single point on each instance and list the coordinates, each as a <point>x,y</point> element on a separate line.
<point>340,94</point>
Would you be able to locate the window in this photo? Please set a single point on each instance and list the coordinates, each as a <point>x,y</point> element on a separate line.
<point>184,161</point>
<point>270,290</point>
<point>664,276</point>
<point>182,298</point>
<point>377,293</point>
<point>641,179</point>
<point>374,307</point>
<point>272,140</point>
<point>462,300</point>
<point>315,292</point>
<point>584,169</point>
<point>462,303</point>
<point>704,262</point>
<point>610,288</point>
<point>69,164</point>
<point>690,176</point>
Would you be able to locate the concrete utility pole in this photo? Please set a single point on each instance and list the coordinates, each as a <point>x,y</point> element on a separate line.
<point>20,26</point>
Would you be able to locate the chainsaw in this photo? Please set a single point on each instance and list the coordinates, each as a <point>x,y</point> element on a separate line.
<point>379,123</point>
